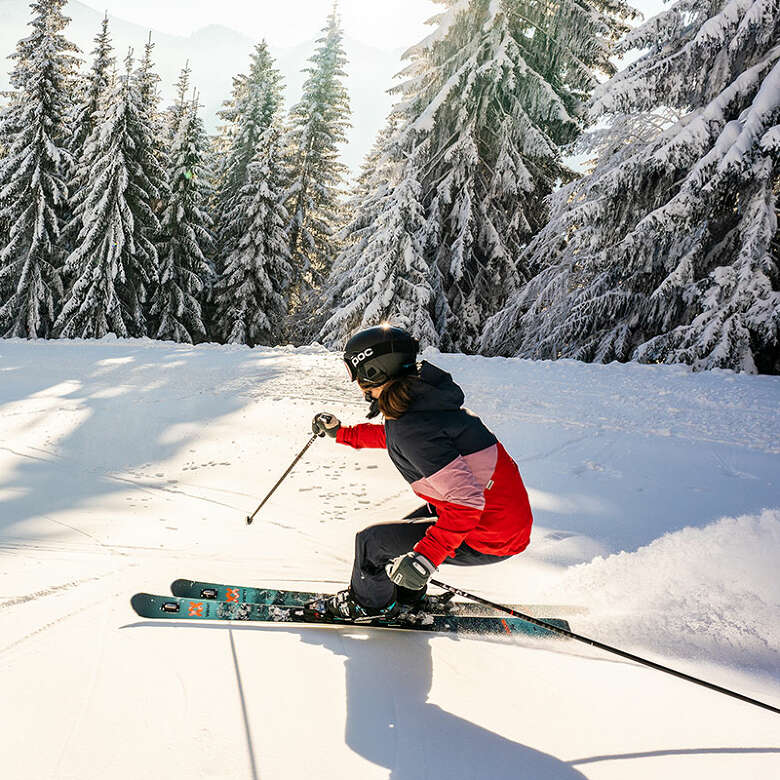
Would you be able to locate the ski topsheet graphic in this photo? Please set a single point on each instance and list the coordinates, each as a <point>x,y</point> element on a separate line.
<point>439,605</point>
<point>242,594</point>
<point>182,608</point>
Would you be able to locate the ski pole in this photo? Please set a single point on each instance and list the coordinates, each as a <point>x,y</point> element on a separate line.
<point>311,441</point>
<point>601,646</point>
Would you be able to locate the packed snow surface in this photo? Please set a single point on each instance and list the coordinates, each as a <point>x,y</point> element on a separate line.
<point>127,464</point>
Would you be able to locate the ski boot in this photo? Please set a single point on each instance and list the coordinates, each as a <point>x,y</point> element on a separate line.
<point>344,607</point>
<point>413,602</point>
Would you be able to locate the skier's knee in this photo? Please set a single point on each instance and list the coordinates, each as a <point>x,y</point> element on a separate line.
<point>369,541</point>
<point>363,537</point>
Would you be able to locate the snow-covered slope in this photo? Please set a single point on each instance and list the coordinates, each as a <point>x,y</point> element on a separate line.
<point>124,465</point>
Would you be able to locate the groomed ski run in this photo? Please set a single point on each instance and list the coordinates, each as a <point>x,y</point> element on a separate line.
<point>126,464</point>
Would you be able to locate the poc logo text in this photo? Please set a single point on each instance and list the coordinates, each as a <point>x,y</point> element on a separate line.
<point>356,360</point>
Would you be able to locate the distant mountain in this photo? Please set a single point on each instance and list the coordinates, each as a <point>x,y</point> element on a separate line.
<point>216,54</point>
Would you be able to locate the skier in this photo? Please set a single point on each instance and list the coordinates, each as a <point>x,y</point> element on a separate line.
<point>476,509</point>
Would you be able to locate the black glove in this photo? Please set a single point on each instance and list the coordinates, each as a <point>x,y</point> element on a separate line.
<point>410,571</point>
<point>325,423</point>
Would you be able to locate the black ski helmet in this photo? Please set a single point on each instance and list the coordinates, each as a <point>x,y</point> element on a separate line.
<point>375,355</point>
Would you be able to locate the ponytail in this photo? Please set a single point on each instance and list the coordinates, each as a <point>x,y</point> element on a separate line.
<point>397,396</point>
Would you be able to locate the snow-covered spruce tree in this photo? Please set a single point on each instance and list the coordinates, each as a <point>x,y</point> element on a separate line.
<point>115,262</point>
<point>8,131</point>
<point>317,125</point>
<point>222,141</point>
<point>185,237</point>
<point>33,191</point>
<point>254,104</point>
<point>148,83</point>
<point>390,279</point>
<point>219,152</point>
<point>94,89</point>
<point>180,108</point>
<point>250,295</point>
<point>489,98</point>
<point>218,201</point>
<point>363,207</point>
<point>668,251</point>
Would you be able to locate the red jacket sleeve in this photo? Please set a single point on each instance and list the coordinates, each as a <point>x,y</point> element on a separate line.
<point>454,522</point>
<point>363,435</point>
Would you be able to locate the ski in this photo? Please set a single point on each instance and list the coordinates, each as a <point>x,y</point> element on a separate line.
<point>242,594</point>
<point>178,608</point>
<point>439,605</point>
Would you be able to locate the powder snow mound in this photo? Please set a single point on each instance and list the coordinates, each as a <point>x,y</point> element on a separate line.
<point>711,591</point>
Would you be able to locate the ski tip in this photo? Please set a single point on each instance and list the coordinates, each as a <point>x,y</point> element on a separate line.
<point>181,587</point>
<point>139,601</point>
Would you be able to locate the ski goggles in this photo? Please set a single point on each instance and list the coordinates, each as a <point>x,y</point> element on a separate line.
<point>355,360</point>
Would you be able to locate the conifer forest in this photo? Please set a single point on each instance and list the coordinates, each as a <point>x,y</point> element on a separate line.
<point>468,223</point>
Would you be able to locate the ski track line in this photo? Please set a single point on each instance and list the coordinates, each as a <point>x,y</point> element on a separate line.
<point>51,454</point>
<point>11,548</point>
<point>148,487</point>
<point>217,490</point>
<point>103,549</point>
<point>54,623</point>
<point>185,695</point>
<point>555,450</point>
<point>144,486</point>
<point>30,457</point>
<point>53,589</point>
<point>96,666</point>
<point>244,713</point>
<point>78,531</point>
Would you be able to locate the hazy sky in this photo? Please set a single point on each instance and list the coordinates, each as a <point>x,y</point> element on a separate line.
<point>387,24</point>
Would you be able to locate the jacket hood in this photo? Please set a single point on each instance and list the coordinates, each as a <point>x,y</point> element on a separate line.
<point>435,391</point>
